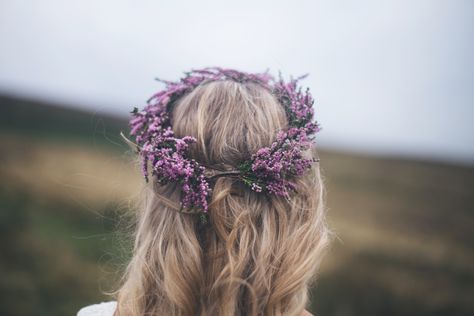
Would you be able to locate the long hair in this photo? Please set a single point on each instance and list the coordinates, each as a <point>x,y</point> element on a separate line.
<point>259,253</point>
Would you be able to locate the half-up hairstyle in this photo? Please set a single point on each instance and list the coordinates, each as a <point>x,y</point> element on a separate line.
<point>259,253</point>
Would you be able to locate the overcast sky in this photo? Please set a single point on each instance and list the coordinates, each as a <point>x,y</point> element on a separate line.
<point>392,77</point>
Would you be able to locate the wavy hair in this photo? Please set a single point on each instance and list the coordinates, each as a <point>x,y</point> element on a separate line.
<point>259,254</point>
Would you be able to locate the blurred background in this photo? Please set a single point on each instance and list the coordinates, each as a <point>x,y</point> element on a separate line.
<point>393,83</point>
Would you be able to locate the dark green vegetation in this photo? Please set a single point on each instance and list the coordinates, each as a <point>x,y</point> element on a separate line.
<point>404,229</point>
<point>39,121</point>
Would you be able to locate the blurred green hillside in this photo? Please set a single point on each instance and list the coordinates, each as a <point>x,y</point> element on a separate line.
<point>404,228</point>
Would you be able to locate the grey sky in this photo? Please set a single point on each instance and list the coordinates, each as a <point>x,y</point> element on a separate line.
<point>388,76</point>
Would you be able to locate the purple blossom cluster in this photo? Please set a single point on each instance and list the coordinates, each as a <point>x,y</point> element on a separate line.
<point>166,154</point>
<point>298,104</point>
<point>270,169</point>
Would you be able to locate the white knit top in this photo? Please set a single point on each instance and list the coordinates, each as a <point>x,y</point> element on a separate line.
<point>102,309</point>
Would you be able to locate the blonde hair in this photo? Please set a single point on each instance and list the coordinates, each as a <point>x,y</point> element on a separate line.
<point>259,253</point>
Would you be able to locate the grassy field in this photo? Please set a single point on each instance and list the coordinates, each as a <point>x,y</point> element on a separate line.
<point>404,228</point>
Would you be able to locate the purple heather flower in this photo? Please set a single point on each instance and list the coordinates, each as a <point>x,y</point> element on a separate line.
<point>272,166</point>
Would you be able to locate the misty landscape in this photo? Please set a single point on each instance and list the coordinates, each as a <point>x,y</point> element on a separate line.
<point>392,83</point>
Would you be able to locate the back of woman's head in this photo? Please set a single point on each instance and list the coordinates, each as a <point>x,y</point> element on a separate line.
<point>259,253</point>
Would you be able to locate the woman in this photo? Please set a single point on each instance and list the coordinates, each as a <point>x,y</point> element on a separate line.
<point>233,220</point>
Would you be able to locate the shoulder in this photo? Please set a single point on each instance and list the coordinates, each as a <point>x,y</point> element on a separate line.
<point>102,309</point>
<point>306,313</point>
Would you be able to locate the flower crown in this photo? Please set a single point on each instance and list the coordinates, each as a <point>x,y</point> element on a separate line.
<point>268,170</point>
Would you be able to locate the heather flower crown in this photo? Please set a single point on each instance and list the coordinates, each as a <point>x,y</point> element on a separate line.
<point>268,170</point>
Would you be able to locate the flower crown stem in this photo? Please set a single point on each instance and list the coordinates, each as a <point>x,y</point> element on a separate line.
<point>229,173</point>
